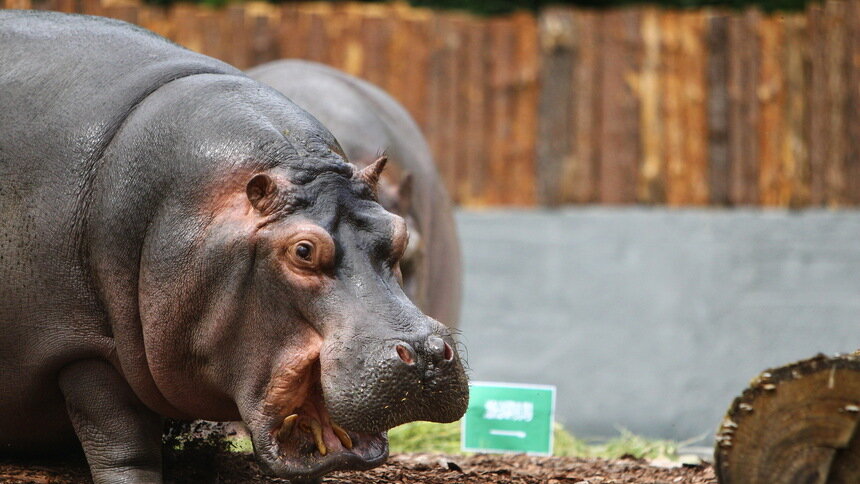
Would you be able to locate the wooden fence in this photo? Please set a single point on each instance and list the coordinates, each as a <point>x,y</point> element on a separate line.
<point>701,107</point>
<point>635,105</point>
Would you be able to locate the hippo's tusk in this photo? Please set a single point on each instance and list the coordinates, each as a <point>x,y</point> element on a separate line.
<point>342,435</point>
<point>287,425</point>
<point>316,428</point>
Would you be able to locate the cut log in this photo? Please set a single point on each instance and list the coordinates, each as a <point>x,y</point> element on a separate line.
<point>794,424</point>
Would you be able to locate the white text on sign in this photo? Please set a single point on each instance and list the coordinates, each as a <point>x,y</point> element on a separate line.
<point>509,410</point>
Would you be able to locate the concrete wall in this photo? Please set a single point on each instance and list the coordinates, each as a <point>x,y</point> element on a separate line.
<point>651,319</point>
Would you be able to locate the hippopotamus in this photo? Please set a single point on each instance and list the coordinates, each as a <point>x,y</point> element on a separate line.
<point>178,240</point>
<point>366,121</point>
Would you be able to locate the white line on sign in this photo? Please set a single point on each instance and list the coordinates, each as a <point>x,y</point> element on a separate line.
<point>509,433</point>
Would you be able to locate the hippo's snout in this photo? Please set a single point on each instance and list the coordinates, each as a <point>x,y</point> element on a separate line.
<point>419,378</point>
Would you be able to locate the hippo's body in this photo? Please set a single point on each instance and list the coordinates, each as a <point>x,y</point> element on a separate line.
<point>366,122</point>
<point>178,240</point>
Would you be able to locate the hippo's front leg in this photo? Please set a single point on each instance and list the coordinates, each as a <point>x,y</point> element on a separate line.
<point>120,436</point>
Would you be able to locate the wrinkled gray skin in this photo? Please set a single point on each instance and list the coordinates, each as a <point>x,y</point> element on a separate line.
<point>366,122</point>
<point>178,240</point>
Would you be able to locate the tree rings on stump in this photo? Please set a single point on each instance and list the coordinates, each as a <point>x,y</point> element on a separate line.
<point>794,424</point>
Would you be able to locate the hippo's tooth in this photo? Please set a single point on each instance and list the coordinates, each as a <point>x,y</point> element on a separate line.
<point>316,428</point>
<point>342,435</point>
<point>287,425</point>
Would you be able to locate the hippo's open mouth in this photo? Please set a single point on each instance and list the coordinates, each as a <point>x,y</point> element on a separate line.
<point>310,444</point>
<point>297,437</point>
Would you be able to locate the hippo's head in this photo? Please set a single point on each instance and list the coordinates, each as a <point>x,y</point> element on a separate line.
<point>364,358</point>
<point>270,286</point>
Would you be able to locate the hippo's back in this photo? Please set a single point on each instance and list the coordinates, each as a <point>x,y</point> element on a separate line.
<point>73,79</point>
<point>67,84</point>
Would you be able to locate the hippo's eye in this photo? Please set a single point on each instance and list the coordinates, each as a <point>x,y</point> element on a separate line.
<point>304,251</point>
<point>309,250</point>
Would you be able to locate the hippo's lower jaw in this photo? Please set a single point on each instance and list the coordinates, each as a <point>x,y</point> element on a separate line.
<point>307,444</point>
<point>294,436</point>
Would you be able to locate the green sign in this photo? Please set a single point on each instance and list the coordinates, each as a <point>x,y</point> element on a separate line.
<point>507,417</point>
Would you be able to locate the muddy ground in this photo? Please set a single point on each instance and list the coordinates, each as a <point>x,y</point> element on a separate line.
<point>230,468</point>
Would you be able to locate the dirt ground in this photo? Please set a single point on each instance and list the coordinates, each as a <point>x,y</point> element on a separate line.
<point>403,469</point>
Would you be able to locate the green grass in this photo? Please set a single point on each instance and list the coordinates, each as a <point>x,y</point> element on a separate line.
<point>445,438</point>
<point>241,445</point>
<point>425,437</point>
<point>637,446</point>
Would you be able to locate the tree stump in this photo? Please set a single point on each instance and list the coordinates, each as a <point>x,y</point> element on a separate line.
<point>794,424</point>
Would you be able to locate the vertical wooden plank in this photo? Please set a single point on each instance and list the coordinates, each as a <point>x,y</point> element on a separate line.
<point>619,108</point>
<point>420,91</point>
<point>206,24</point>
<point>462,25</point>
<point>124,12</point>
<point>398,61</point>
<point>156,19</point>
<point>718,108</point>
<point>235,35</point>
<point>772,99</point>
<point>417,77</point>
<point>316,45</point>
<point>432,119</point>
<point>671,84</point>
<point>651,185</point>
<point>795,161</point>
<point>110,11</point>
<point>835,56</point>
<point>287,31</point>
<point>505,176</point>
<point>501,110</point>
<point>447,119</point>
<point>182,15</point>
<point>67,6</point>
<point>743,107</point>
<point>43,4</point>
<point>376,37</point>
<point>555,103</point>
<point>525,130</point>
<point>827,94</point>
<point>695,108</point>
<point>211,35</point>
<point>87,7</point>
<point>405,56</point>
<point>581,172</point>
<point>475,136</point>
<point>852,105</point>
<point>781,93</point>
<point>684,108</point>
<point>333,32</point>
<point>341,44</point>
<point>356,48</point>
<point>263,19</point>
<point>816,100</point>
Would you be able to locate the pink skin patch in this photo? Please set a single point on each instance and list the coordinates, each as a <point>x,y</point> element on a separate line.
<point>297,433</point>
<point>293,378</point>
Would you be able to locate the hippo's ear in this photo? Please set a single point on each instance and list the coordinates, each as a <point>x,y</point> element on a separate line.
<point>261,191</point>
<point>370,174</point>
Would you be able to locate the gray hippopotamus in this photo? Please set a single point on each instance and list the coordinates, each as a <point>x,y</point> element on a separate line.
<point>366,122</point>
<point>178,240</point>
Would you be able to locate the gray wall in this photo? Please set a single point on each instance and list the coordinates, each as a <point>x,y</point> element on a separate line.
<point>654,320</point>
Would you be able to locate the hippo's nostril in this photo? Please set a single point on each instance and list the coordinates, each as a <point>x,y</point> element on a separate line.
<point>448,354</point>
<point>439,348</point>
<point>405,354</point>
